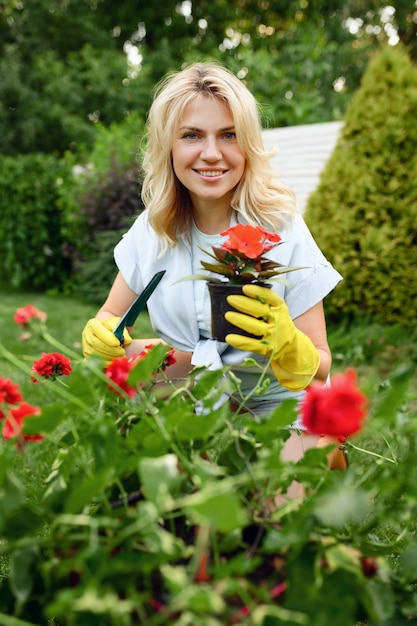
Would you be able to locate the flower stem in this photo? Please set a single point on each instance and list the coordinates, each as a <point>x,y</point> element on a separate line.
<point>375,454</point>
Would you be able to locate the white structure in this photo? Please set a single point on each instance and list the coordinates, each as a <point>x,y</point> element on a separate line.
<point>301,153</point>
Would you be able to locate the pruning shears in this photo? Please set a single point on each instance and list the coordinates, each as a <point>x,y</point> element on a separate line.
<point>129,318</point>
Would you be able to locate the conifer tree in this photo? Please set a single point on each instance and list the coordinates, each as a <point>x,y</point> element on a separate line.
<point>363,213</point>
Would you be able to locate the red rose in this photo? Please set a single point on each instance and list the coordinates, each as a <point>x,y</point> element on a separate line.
<point>118,371</point>
<point>337,410</point>
<point>9,392</point>
<point>13,424</point>
<point>27,313</point>
<point>52,365</point>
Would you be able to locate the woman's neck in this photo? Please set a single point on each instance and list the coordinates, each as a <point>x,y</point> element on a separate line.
<point>212,223</point>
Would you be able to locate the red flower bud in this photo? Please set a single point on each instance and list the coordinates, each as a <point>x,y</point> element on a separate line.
<point>369,566</point>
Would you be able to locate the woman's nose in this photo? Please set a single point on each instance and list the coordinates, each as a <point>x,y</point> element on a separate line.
<point>210,150</point>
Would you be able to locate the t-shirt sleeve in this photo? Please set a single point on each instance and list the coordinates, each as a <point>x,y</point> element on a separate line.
<point>127,254</point>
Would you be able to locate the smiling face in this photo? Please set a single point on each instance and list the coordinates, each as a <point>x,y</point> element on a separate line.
<point>206,157</point>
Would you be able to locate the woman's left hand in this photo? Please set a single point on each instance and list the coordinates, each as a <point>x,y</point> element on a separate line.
<point>294,358</point>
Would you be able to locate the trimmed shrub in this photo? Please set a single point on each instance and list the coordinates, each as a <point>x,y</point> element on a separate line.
<point>33,245</point>
<point>363,213</point>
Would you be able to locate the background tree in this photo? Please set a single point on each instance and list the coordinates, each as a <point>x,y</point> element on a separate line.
<point>60,73</point>
<point>64,66</point>
<point>364,211</point>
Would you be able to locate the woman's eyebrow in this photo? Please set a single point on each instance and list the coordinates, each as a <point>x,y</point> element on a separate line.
<point>194,128</point>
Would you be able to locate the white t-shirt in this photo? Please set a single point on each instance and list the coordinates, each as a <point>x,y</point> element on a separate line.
<point>180,311</point>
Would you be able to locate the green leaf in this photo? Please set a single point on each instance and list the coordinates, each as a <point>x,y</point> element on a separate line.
<point>9,620</point>
<point>52,415</point>
<point>162,543</point>
<point>186,425</point>
<point>341,556</point>
<point>21,577</point>
<point>343,506</point>
<point>221,510</point>
<point>274,422</point>
<point>12,496</point>
<point>83,493</point>
<point>147,366</point>
<point>217,268</point>
<point>199,598</point>
<point>83,381</point>
<point>237,455</point>
<point>158,476</point>
<point>175,577</point>
<point>395,396</point>
<point>238,565</point>
<point>205,277</point>
<point>408,562</point>
<point>206,383</point>
<point>380,601</point>
<point>266,615</point>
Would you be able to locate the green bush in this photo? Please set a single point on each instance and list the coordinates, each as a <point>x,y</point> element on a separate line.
<point>54,211</point>
<point>364,212</point>
<point>33,246</point>
<point>106,211</point>
<point>102,199</point>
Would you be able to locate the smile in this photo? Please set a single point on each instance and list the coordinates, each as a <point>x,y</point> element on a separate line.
<point>211,173</point>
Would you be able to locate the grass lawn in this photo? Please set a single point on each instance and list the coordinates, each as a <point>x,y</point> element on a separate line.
<point>66,319</point>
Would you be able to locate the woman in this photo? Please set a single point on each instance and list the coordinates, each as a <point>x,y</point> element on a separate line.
<point>205,170</point>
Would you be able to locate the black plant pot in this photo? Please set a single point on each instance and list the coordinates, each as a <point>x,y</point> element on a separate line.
<point>219,306</point>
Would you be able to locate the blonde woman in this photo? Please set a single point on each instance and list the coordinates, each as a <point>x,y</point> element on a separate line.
<point>205,170</point>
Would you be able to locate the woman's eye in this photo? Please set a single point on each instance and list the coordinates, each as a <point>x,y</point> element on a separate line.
<point>230,136</point>
<point>190,136</point>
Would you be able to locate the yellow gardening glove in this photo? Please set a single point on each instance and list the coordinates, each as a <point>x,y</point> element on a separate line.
<point>98,339</point>
<point>294,358</point>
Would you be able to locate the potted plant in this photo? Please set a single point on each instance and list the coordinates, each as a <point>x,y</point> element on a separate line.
<point>239,260</point>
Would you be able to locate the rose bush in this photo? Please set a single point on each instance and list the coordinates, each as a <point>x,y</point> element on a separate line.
<point>152,512</point>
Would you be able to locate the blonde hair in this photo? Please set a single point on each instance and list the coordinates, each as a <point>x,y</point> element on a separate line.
<point>259,196</point>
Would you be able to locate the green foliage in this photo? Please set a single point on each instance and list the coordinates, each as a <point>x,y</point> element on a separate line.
<point>63,65</point>
<point>146,511</point>
<point>33,246</point>
<point>366,344</point>
<point>304,94</point>
<point>102,199</point>
<point>55,87</point>
<point>96,269</point>
<point>364,211</point>
<point>58,215</point>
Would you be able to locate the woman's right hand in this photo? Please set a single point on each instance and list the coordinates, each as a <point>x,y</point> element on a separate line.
<point>98,339</point>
